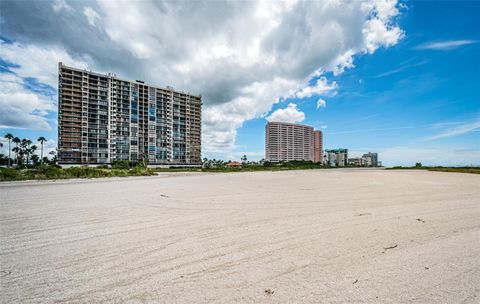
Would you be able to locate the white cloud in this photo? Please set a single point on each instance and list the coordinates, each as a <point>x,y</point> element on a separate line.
<point>220,122</point>
<point>60,5</point>
<point>289,114</point>
<point>377,33</point>
<point>342,62</point>
<point>243,57</point>
<point>321,103</point>
<point>92,15</point>
<point>321,87</point>
<point>21,108</point>
<point>457,130</point>
<point>379,30</point>
<point>38,62</point>
<point>228,49</point>
<point>445,45</point>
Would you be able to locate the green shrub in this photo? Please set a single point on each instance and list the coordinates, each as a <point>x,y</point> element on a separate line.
<point>121,164</point>
<point>52,172</point>
<point>8,174</point>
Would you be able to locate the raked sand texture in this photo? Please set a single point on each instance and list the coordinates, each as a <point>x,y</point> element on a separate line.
<point>318,236</point>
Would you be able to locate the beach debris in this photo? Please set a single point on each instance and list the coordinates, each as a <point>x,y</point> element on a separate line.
<point>355,282</point>
<point>163,195</point>
<point>269,291</point>
<point>389,247</point>
<point>363,214</point>
<point>4,273</point>
<point>420,220</point>
<point>426,268</point>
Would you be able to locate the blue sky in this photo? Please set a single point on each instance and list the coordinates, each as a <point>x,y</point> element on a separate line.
<point>397,78</point>
<point>408,98</point>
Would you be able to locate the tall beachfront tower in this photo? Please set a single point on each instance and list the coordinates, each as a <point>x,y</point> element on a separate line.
<point>102,118</point>
<point>288,141</point>
<point>317,146</point>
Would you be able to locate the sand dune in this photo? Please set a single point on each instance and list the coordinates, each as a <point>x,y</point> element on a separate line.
<point>318,236</point>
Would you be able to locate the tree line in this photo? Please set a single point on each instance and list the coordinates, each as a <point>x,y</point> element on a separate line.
<point>23,152</point>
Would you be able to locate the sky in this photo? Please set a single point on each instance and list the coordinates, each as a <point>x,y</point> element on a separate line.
<point>395,77</point>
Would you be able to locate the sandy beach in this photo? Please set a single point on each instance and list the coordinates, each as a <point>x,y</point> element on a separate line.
<point>317,236</point>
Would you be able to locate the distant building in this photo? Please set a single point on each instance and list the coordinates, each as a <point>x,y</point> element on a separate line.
<point>367,160</point>
<point>355,162</point>
<point>370,159</point>
<point>337,157</point>
<point>325,158</point>
<point>233,164</point>
<point>287,141</point>
<point>317,146</point>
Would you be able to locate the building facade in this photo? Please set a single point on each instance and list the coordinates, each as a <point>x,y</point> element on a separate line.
<point>370,159</point>
<point>102,118</point>
<point>288,141</point>
<point>317,146</point>
<point>367,160</point>
<point>337,157</point>
<point>355,162</point>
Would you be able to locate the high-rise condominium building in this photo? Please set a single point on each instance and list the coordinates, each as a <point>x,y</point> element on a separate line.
<point>102,118</point>
<point>317,146</point>
<point>288,141</point>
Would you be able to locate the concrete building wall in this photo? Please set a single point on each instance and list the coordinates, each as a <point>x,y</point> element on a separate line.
<point>103,118</point>
<point>317,146</point>
<point>287,141</point>
<point>337,157</point>
<point>370,159</point>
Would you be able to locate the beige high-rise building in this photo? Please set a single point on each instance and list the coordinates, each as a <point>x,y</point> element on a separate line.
<point>289,141</point>
<point>317,146</point>
<point>102,118</point>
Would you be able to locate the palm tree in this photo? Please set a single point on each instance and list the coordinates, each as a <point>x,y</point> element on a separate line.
<point>25,148</point>
<point>16,150</point>
<point>17,141</point>
<point>41,139</point>
<point>9,137</point>
<point>35,159</point>
<point>32,149</point>
<point>28,150</point>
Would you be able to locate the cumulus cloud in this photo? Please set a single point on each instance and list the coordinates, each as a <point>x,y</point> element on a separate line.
<point>243,57</point>
<point>290,114</point>
<point>38,62</point>
<point>321,87</point>
<point>321,103</point>
<point>26,105</point>
<point>61,5</point>
<point>21,108</point>
<point>379,30</point>
<point>92,15</point>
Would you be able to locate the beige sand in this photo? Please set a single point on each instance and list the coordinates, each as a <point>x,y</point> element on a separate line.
<point>323,236</point>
